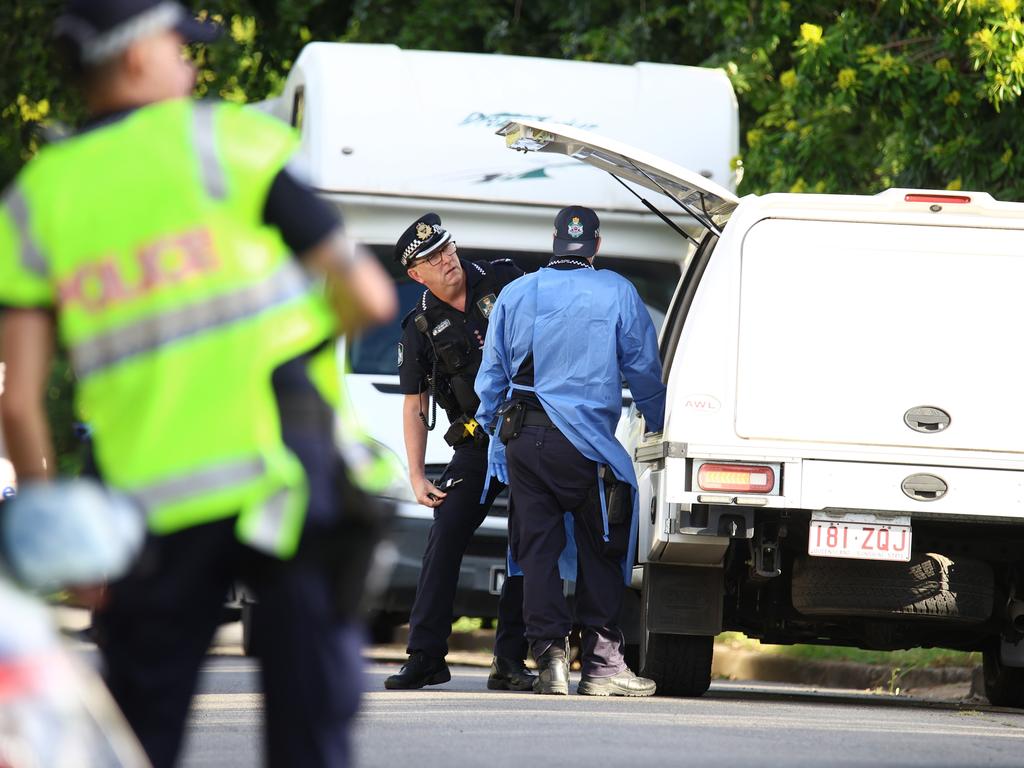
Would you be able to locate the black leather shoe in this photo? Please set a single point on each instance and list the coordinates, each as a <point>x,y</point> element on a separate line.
<point>510,675</point>
<point>623,683</point>
<point>418,671</point>
<point>553,671</point>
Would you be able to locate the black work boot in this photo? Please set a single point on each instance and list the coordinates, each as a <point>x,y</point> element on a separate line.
<point>553,670</point>
<point>418,671</point>
<point>510,675</point>
<point>623,683</point>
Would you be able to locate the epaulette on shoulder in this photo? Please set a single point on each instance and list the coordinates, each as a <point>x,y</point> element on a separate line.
<point>506,260</point>
<point>421,306</point>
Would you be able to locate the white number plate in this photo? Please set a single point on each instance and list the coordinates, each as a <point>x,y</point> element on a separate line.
<point>859,541</point>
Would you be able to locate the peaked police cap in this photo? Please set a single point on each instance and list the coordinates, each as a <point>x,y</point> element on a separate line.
<point>422,238</point>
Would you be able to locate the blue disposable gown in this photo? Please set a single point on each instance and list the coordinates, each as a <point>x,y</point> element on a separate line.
<point>588,329</point>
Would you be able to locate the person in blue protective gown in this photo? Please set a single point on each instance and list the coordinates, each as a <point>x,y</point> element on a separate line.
<point>559,343</point>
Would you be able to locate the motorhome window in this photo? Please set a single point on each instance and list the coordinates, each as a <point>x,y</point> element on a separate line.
<point>376,352</point>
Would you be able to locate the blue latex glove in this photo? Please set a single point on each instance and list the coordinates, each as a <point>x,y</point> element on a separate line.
<point>497,465</point>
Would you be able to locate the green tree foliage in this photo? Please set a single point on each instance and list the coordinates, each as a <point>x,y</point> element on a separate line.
<point>892,92</point>
<point>30,87</point>
<point>853,98</point>
<point>915,93</point>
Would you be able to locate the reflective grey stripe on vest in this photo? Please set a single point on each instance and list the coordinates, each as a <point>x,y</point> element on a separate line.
<point>147,334</point>
<point>205,141</point>
<point>202,482</point>
<point>266,534</point>
<point>31,256</point>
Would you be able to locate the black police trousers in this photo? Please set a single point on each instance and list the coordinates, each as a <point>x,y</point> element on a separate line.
<point>549,477</point>
<point>159,620</point>
<point>455,522</point>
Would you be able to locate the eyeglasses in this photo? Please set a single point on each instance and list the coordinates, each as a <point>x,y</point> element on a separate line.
<point>435,258</point>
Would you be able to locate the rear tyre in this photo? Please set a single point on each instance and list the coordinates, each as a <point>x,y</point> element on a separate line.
<point>1004,686</point>
<point>930,586</point>
<point>679,664</point>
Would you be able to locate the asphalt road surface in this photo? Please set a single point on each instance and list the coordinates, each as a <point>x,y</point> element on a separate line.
<point>735,724</point>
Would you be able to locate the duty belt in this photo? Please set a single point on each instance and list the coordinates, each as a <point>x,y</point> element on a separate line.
<point>537,417</point>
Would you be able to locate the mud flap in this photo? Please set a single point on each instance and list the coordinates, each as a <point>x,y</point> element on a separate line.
<point>682,600</point>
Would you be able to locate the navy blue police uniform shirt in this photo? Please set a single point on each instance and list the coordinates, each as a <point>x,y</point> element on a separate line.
<point>415,356</point>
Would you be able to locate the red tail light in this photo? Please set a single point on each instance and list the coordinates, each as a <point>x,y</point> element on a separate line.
<point>936,199</point>
<point>743,478</point>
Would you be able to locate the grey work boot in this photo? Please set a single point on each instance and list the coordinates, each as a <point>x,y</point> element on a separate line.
<point>553,671</point>
<point>510,675</point>
<point>623,683</point>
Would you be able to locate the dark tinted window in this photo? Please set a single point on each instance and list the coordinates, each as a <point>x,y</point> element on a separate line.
<point>377,350</point>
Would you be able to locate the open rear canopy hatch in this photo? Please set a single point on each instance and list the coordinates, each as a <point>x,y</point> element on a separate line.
<point>707,203</point>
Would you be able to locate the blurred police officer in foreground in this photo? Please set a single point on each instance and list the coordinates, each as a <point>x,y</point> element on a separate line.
<point>561,340</point>
<point>438,359</point>
<point>156,245</point>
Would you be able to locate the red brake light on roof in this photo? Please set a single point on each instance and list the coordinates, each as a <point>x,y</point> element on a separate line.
<point>936,198</point>
<point>744,478</point>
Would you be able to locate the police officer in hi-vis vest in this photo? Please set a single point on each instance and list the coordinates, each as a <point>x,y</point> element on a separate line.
<point>156,245</point>
<point>438,358</point>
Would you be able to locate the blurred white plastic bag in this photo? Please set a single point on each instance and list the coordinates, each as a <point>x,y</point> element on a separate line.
<point>68,533</point>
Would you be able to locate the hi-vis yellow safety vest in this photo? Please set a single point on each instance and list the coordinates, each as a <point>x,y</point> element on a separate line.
<point>175,302</point>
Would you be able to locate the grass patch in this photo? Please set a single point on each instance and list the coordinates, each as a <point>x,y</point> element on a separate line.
<point>906,659</point>
<point>466,624</point>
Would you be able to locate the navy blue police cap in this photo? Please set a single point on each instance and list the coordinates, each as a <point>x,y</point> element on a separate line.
<point>422,238</point>
<point>576,232</point>
<point>98,30</point>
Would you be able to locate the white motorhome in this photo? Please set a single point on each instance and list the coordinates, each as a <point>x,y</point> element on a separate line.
<point>841,461</point>
<point>388,134</point>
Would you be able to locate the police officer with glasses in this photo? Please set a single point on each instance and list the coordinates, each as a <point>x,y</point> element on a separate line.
<point>438,358</point>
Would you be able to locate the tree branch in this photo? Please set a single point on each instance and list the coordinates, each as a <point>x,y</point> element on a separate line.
<point>908,41</point>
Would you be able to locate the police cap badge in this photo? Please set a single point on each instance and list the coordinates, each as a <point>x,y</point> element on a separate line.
<point>577,230</point>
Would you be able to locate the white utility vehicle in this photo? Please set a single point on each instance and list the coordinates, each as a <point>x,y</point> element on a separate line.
<point>842,460</point>
<point>388,134</point>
